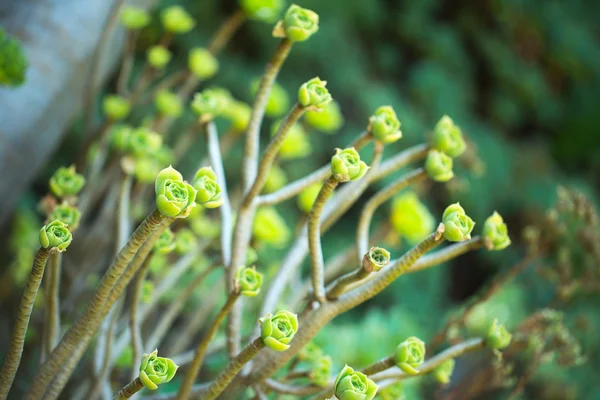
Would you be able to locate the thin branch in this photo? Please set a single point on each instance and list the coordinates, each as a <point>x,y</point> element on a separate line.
<point>294,390</point>
<point>134,321</point>
<point>52,310</point>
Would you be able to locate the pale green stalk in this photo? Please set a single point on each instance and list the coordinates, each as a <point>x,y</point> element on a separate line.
<point>52,307</point>
<point>339,286</point>
<point>446,254</point>
<point>378,366</point>
<point>129,390</point>
<point>293,390</point>
<point>134,321</point>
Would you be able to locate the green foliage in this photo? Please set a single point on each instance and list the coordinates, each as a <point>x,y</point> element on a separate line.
<point>13,61</point>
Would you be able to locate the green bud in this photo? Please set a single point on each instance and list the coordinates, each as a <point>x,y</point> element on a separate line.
<point>155,370</point>
<point>310,352</point>
<point>447,137</point>
<point>384,125</point>
<point>495,232</point>
<point>262,10</point>
<point>251,256</point>
<point>158,264</point>
<point>296,143</point>
<point>411,218</point>
<point>208,104</point>
<point>158,56</point>
<point>298,24</point>
<point>147,291</point>
<point>116,107</point>
<point>375,259</point>
<point>146,169</point>
<point>328,120</point>
<point>66,214</point>
<point>185,241</point>
<point>354,385</point>
<point>168,103</point>
<point>209,193</point>
<point>202,63</point>
<point>144,142</point>
<point>270,227</point>
<point>55,235</point>
<point>410,354</point>
<point>279,101</point>
<point>443,372</point>
<point>275,180</point>
<point>307,197</point>
<point>134,17</point>
<point>174,196</point>
<point>347,166</point>
<point>119,136</point>
<point>165,155</point>
<point>13,62</point>
<point>394,391</point>
<point>66,182</point>
<point>314,94</point>
<point>277,331</point>
<point>457,224</point>
<point>238,113</point>
<point>176,19</point>
<point>165,243</point>
<point>439,166</point>
<point>320,371</point>
<point>498,337</point>
<point>248,281</point>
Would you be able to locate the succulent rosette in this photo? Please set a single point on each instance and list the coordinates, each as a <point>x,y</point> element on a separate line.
<point>443,372</point>
<point>168,103</point>
<point>410,354</point>
<point>67,214</point>
<point>375,259</point>
<point>495,232</point>
<point>158,56</point>
<point>144,142</point>
<point>55,235</point>
<point>298,24</point>
<point>270,227</point>
<point>208,104</point>
<point>134,17</point>
<point>66,182</point>
<point>347,166</point>
<point>248,281</point>
<point>174,197</point>
<point>314,94</point>
<point>439,166</point>
<point>262,10</point>
<point>155,370</point>
<point>307,197</point>
<point>116,107</point>
<point>354,385</point>
<point>209,194</point>
<point>411,218</point>
<point>310,352</point>
<point>165,243</point>
<point>448,138</point>
<point>185,241</point>
<point>238,113</point>
<point>320,371</point>
<point>202,63</point>
<point>328,119</point>
<point>384,125</point>
<point>457,224</point>
<point>498,336</point>
<point>176,19</point>
<point>277,331</point>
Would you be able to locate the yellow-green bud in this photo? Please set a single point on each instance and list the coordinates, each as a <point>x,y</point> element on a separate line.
<point>275,180</point>
<point>66,182</point>
<point>119,136</point>
<point>176,19</point>
<point>13,61</point>
<point>310,352</point>
<point>168,103</point>
<point>174,197</point>
<point>251,256</point>
<point>270,227</point>
<point>185,241</point>
<point>314,94</point>
<point>209,193</point>
<point>158,56</point>
<point>410,354</point>
<point>238,113</point>
<point>165,155</point>
<point>116,107</point>
<point>262,10</point>
<point>208,104</point>
<point>307,197</point>
<point>498,337</point>
<point>296,143</point>
<point>443,372</point>
<point>248,281</point>
<point>347,166</point>
<point>384,125</point>
<point>158,264</point>
<point>144,142</point>
<point>447,137</point>
<point>55,235</point>
<point>411,218</point>
<point>495,232</point>
<point>277,331</point>
<point>134,17</point>
<point>67,214</point>
<point>320,371</point>
<point>354,385</point>
<point>298,24</point>
<point>202,63</point>
<point>279,101</point>
<point>327,120</point>
<point>457,224</point>
<point>439,166</point>
<point>155,370</point>
<point>165,243</point>
<point>393,392</point>
<point>375,259</point>
<point>145,169</point>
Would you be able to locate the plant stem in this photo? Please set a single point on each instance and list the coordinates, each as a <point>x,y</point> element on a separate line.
<point>400,160</point>
<point>196,364</point>
<point>446,254</point>
<point>294,390</point>
<point>339,285</point>
<point>52,310</point>
<point>17,341</point>
<point>129,390</point>
<point>226,31</point>
<point>126,63</point>
<point>379,366</point>
<point>314,238</point>
<point>134,323</point>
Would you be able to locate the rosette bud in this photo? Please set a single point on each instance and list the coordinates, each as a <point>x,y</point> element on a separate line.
<point>295,145</point>
<point>67,214</point>
<point>443,372</point>
<point>168,103</point>
<point>448,138</point>
<point>457,224</point>
<point>275,180</point>
<point>185,241</point>
<point>155,370</point>
<point>209,193</point>
<point>375,259</point>
<point>165,243</point>
<point>66,182</point>
<point>354,385</point>
<point>176,19</point>
<point>320,371</point>
<point>307,197</point>
<point>310,352</point>
<point>411,218</point>
<point>277,331</point>
<point>495,232</point>
<point>279,101</point>
<point>298,24</point>
<point>55,235</point>
<point>498,337</point>
<point>158,56</point>
<point>270,227</point>
<point>202,63</point>
<point>238,113</point>
<point>262,10</point>
<point>145,169</point>
<point>119,136</point>
<point>327,120</point>
<point>384,125</point>
<point>248,281</point>
<point>314,94</point>
<point>13,62</point>
<point>144,142</point>
<point>116,107</point>
<point>410,354</point>
<point>174,196</point>
<point>134,17</point>
<point>439,166</point>
<point>208,104</point>
<point>347,166</point>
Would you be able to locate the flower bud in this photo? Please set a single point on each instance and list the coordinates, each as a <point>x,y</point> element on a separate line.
<point>495,232</point>
<point>296,143</point>
<point>314,94</point>
<point>353,385</point>
<point>327,120</point>
<point>168,103</point>
<point>411,218</point>
<point>310,352</point>
<point>55,235</point>
<point>158,56</point>
<point>134,17</point>
<point>439,166</point>
<point>457,224</point>
<point>410,354</point>
<point>119,136</point>
<point>238,113</point>
<point>347,166</point>
<point>116,107</point>
<point>270,227</point>
<point>384,125</point>
<point>447,138</point>
<point>209,193</point>
<point>279,101</point>
<point>277,331</point>
<point>275,180</point>
<point>185,241</point>
<point>320,371</point>
<point>176,19</point>
<point>498,337</point>
<point>143,142</point>
<point>174,197</point>
<point>298,24</point>
<point>165,243</point>
<point>262,10</point>
<point>248,281</point>
<point>66,214</point>
<point>155,370</point>
<point>145,169</point>
<point>66,182</point>
<point>307,197</point>
<point>208,104</point>
<point>443,372</point>
<point>13,62</point>
<point>202,63</point>
<point>375,259</point>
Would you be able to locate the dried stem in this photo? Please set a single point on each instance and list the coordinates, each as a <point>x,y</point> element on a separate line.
<point>129,390</point>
